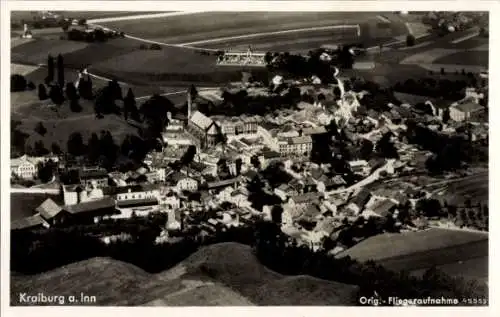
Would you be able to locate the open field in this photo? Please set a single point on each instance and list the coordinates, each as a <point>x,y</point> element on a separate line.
<point>473,269</point>
<point>23,205</point>
<point>465,58</point>
<point>209,25</point>
<point>386,246</point>
<point>458,253</point>
<point>35,52</point>
<point>58,130</point>
<point>60,122</point>
<point>474,188</point>
<point>17,16</point>
<point>220,274</point>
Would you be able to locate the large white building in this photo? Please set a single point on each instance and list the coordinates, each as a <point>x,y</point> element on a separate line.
<point>24,167</point>
<point>464,111</point>
<point>295,146</point>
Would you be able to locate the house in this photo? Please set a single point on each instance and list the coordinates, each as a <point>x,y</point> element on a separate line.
<point>75,194</point>
<point>358,203</point>
<point>24,167</point>
<point>295,146</point>
<point>380,209</point>
<point>325,183</point>
<point>248,175</point>
<point>360,167</point>
<point>284,191</point>
<point>225,194</point>
<point>465,111</point>
<point>304,200</point>
<point>92,211</point>
<point>182,182</point>
<point>96,177</point>
<point>234,182</point>
<point>52,213</point>
<point>170,201</point>
<point>239,197</point>
<point>29,223</point>
<point>268,157</point>
<point>139,207</point>
<point>311,213</point>
<point>133,192</point>
<point>326,226</point>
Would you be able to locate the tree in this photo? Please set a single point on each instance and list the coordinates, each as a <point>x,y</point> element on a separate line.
<point>17,83</point>
<point>385,148</point>
<point>410,40</point>
<point>40,129</point>
<point>46,171</point>
<point>188,155</point>
<point>130,106</point>
<point>115,90</point>
<point>366,149</point>
<point>60,70</point>
<point>75,106</point>
<point>85,88</point>
<point>39,149</point>
<point>56,95</point>
<point>104,102</point>
<point>276,214</point>
<point>154,112</point>
<point>55,148</point>
<point>50,70</point>
<point>75,144</point>
<point>93,148</point>
<point>108,149</point>
<point>446,115</point>
<point>42,92</point>
<point>65,25</point>
<point>429,207</point>
<point>254,160</point>
<point>71,92</point>
<point>238,164</point>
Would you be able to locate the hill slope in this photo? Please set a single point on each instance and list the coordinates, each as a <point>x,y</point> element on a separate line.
<point>225,274</point>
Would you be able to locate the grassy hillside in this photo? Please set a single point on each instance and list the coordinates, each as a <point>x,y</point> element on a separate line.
<point>220,274</point>
<point>417,251</point>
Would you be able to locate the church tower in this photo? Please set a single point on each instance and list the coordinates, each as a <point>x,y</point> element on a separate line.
<point>191,93</point>
<point>189,102</point>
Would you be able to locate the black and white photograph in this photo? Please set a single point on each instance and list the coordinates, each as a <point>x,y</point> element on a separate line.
<point>210,157</point>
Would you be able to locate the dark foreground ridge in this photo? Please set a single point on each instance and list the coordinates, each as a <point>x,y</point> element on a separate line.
<point>219,274</point>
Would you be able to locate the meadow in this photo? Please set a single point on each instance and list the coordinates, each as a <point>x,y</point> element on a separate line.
<point>209,25</point>
<point>391,245</point>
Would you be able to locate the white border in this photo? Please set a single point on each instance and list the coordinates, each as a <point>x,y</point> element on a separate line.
<point>8,5</point>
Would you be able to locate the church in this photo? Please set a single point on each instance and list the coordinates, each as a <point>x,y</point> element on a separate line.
<point>201,127</point>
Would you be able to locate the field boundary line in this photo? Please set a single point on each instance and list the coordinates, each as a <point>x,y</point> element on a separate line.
<point>143,16</point>
<point>254,35</point>
<point>465,38</point>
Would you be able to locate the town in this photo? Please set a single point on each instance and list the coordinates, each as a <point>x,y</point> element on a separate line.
<point>327,155</point>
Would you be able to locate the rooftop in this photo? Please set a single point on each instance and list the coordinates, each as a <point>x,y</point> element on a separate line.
<point>137,202</point>
<point>48,209</point>
<point>135,188</point>
<point>27,222</point>
<point>201,120</point>
<point>103,203</point>
<point>307,197</point>
<point>469,107</point>
<point>222,183</point>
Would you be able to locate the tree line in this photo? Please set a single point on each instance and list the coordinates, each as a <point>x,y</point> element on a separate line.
<point>47,249</point>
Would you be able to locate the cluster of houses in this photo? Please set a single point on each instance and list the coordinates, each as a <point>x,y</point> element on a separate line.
<point>230,152</point>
